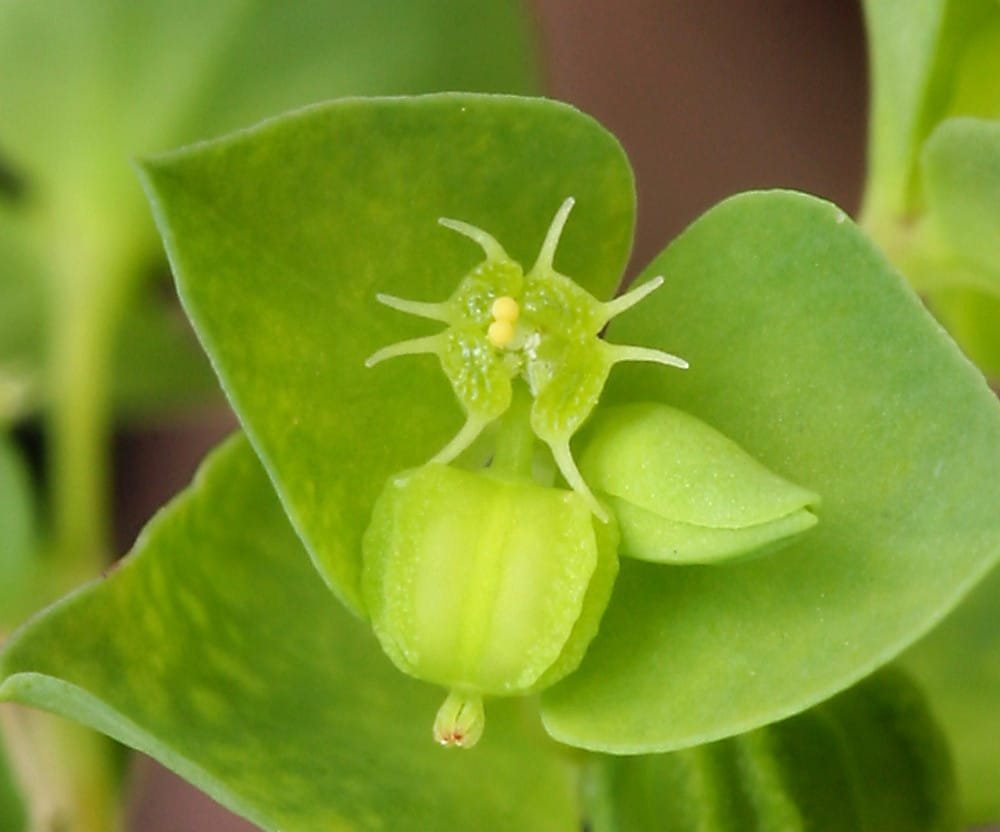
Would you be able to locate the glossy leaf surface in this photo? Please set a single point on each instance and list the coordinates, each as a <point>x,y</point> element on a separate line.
<point>869,760</point>
<point>808,351</point>
<point>246,676</point>
<point>281,237</point>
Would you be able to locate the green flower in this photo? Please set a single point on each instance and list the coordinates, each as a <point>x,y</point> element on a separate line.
<point>492,581</point>
<point>541,327</point>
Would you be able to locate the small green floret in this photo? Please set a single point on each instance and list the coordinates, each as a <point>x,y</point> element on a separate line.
<point>540,326</point>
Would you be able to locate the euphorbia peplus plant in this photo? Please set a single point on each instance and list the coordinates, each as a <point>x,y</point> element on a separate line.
<point>818,387</point>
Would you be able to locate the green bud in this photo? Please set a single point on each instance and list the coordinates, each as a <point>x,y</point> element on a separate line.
<point>484,585</point>
<point>684,493</point>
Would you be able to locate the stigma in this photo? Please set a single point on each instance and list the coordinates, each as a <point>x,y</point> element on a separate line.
<point>505,311</point>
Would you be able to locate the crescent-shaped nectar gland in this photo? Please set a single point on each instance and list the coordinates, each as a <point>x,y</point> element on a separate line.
<point>500,321</point>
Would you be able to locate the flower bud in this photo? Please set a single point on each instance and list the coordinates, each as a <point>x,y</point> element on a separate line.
<point>684,493</point>
<point>484,585</point>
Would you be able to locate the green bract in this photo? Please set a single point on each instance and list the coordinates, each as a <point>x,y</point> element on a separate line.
<point>684,493</point>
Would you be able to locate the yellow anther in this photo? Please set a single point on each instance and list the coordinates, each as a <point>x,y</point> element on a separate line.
<point>506,309</point>
<point>500,333</point>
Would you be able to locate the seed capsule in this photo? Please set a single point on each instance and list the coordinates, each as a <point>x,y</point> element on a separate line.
<point>483,585</point>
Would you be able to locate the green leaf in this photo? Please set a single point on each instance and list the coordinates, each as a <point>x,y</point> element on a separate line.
<point>869,760</point>
<point>958,665</point>
<point>808,351</point>
<point>217,649</point>
<point>961,170</point>
<point>916,50</point>
<point>281,237</point>
<point>17,532</point>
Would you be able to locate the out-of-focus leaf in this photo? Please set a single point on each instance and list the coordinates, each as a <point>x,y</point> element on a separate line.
<point>281,237</point>
<point>916,49</point>
<point>808,351</point>
<point>961,170</point>
<point>86,87</point>
<point>976,89</point>
<point>958,665</point>
<point>931,191</point>
<point>957,258</point>
<point>159,366</point>
<point>89,85</point>
<point>870,760</point>
<point>973,317</point>
<point>22,319</point>
<point>216,648</point>
<point>17,532</point>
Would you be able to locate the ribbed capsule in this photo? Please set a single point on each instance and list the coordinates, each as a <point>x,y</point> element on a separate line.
<point>485,586</point>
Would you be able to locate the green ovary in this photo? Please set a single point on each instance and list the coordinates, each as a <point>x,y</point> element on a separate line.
<point>478,584</point>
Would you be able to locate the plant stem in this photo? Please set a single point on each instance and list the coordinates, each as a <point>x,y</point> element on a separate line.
<point>68,771</point>
<point>64,770</point>
<point>88,289</point>
<point>515,450</point>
